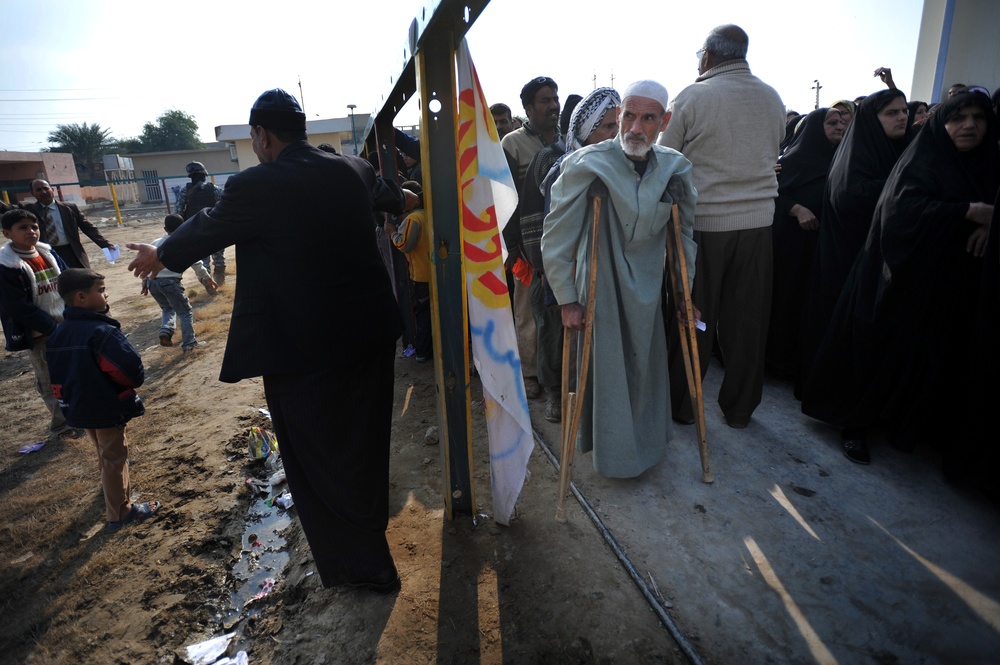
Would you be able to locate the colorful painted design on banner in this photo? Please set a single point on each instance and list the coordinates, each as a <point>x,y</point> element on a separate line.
<point>488,200</point>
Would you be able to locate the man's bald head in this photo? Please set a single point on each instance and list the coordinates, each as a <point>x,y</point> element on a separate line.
<point>42,191</point>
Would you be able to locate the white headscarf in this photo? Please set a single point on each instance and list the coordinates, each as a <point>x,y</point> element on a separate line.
<point>588,114</point>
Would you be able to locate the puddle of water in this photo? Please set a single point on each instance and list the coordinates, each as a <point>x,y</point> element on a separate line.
<point>262,559</point>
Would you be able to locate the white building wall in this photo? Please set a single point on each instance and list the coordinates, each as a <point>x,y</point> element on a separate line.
<point>958,43</point>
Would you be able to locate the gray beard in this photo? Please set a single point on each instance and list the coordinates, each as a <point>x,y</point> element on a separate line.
<point>634,150</point>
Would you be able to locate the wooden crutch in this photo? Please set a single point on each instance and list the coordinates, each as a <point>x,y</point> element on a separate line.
<point>689,342</point>
<point>571,400</point>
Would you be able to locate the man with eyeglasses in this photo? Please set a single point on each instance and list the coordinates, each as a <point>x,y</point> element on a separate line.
<point>733,151</point>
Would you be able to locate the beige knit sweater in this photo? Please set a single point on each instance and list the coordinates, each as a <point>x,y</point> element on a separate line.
<point>729,123</point>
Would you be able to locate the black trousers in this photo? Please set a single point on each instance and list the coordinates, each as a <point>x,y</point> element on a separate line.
<point>333,428</point>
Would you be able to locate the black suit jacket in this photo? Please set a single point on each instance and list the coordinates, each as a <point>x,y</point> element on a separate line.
<point>311,288</point>
<point>73,222</point>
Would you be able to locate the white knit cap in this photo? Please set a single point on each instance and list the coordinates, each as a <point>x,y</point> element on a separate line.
<point>649,89</point>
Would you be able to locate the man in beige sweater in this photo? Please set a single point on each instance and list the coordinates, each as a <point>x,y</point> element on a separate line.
<point>729,124</point>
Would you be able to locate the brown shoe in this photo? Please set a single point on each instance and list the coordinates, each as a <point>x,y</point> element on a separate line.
<point>553,409</point>
<point>531,388</point>
<point>166,340</point>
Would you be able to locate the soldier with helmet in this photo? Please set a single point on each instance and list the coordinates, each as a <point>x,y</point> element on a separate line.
<point>197,194</point>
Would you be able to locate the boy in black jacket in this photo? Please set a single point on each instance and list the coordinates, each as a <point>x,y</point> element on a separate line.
<point>95,371</point>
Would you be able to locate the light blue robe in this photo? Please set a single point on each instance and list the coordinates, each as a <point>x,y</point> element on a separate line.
<point>625,416</point>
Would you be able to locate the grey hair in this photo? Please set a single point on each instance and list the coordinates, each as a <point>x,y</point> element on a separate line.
<point>727,42</point>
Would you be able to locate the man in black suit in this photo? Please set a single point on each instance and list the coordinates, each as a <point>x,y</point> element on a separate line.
<point>60,225</point>
<point>315,316</point>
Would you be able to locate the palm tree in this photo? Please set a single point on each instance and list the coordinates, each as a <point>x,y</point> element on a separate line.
<point>87,143</point>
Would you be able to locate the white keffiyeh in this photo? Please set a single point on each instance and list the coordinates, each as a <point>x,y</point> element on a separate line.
<point>588,115</point>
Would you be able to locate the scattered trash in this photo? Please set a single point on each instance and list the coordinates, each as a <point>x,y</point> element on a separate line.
<point>431,436</point>
<point>264,412</point>
<point>277,478</point>
<point>31,447</point>
<point>258,485</point>
<point>207,652</point>
<point>240,658</point>
<point>283,500</point>
<point>266,587</point>
<point>262,443</point>
<point>273,463</point>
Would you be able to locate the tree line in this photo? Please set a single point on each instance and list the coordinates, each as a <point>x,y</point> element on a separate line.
<point>172,130</point>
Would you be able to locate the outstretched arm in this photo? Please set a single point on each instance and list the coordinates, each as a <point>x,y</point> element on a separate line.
<point>145,264</point>
<point>885,74</point>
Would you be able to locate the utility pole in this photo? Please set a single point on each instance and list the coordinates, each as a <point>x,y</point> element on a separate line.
<point>816,88</point>
<point>302,97</point>
<point>612,78</point>
<point>354,131</point>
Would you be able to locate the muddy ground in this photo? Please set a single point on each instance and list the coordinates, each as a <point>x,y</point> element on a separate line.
<point>472,591</point>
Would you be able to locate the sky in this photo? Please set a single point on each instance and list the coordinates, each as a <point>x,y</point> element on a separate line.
<point>121,65</point>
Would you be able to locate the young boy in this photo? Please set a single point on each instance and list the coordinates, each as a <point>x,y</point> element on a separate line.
<point>168,292</point>
<point>95,371</point>
<point>30,306</point>
<point>412,238</point>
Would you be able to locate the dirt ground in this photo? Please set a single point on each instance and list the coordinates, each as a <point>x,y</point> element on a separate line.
<point>792,555</point>
<point>472,591</point>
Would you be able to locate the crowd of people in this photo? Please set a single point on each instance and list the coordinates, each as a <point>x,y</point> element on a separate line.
<point>848,251</point>
<point>851,251</point>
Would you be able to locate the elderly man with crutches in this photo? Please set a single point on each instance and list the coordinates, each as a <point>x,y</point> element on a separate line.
<point>624,401</point>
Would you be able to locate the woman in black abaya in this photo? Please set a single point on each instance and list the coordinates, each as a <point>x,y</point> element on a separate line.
<point>873,142</point>
<point>801,181</point>
<point>898,348</point>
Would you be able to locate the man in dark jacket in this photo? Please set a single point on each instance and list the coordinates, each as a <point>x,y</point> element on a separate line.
<point>61,224</point>
<point>329,387</point>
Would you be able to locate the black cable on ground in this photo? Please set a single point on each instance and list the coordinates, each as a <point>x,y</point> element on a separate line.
<point>639,580</point>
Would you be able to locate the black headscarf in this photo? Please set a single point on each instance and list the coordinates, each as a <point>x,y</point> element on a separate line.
<point>790,125</point>
<point>919,227</point>
<point>858,172</point>
<point>806,162</point>
<point>899,350</point>
<point>911,115</point>
<point>802,178</point>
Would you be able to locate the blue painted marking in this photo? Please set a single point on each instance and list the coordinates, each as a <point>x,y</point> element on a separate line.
<point>942,59</point>
<point>502,357</point>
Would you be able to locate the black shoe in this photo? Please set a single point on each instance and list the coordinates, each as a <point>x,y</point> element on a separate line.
<point>856,450</point>
<point>384,582</point>
<point>683,420</point>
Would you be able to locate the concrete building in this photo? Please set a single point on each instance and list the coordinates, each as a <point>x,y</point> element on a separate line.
<point>957,44</point>
<point>159,173</point>
<point>335,131</point>
<point>18,169</point>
